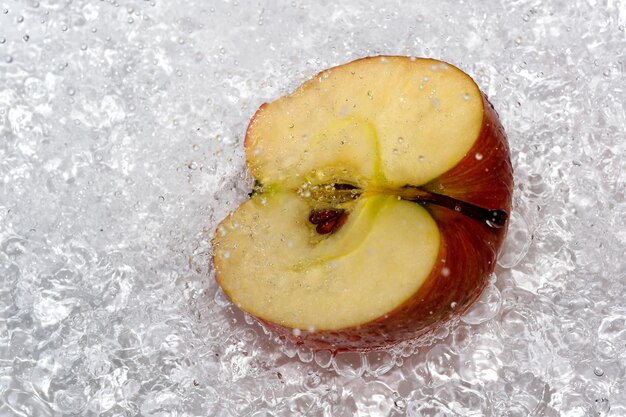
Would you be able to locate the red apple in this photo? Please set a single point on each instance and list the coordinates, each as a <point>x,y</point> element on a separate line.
<point>383,191</point>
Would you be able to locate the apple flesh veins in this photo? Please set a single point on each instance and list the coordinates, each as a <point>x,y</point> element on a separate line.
<point>383,191</point>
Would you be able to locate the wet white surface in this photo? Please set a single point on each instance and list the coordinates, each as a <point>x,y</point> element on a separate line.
<point>121,130</point>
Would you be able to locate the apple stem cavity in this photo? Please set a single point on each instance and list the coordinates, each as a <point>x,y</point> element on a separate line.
<point>495,219</point>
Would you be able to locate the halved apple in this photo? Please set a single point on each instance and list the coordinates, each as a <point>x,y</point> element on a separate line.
<point>383,188</point>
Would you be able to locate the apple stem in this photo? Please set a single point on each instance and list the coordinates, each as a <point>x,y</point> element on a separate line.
<point>493,218</point>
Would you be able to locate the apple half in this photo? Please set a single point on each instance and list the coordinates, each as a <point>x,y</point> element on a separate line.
<point>383,188</point>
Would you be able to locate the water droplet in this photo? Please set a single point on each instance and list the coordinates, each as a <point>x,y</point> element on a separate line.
<point>400,139</point>
<point>453,304</point>
<point>412,59</point>
<point>5,11</point>
<point>94,30</point>
<point>83,47</point>
<point>26,38</point>
<point>598,371</point>
<point>419,18</point>
<point>226,255</point>
<point>19,19</point>
<point>478,156</point>
<point>433,67</point>
<point>426,79</point>
<point>396,151</point>
<point>2,40</point>
<point>435,102</point>
<point>370,94</point>
<point>466,96</point>
<point>445,271</point>
<point>457,208</point>
<point>420,158</point>
<point>383,59</point>
<point>291,125</point>
<point>8,59</point>
<point>421,87</point>
<point>602,406</point>
<point>130,20</point>
<point>71,91</point>
<point>64,28</point>
<point>606,72</point>
<point>296,332</point>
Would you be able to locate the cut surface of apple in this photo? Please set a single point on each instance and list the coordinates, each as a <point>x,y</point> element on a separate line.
<point>380,256</point>
<point>383,187</point>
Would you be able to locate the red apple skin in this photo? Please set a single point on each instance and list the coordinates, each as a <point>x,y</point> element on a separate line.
<point>467,254</point>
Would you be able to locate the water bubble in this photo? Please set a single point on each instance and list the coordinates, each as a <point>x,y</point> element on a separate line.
<point>19,19</point>
<point>602,406</point>
<point>466,96</point>
<point>598,371</point>
<point>25,38</point>
<point>426,79</point>
<point>2,40</point>
<point>64,28</point>
<point>296,332</point>
<point>370,94</point>
<point>485,308</point>
<point>445,271</point>
<point>478,156</point>
<point>8,59</point>
<point>5,11</point>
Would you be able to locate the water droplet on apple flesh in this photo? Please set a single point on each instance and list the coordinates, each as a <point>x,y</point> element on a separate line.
<point>478,156</point>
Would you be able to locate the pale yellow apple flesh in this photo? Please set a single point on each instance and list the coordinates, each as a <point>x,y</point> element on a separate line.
<point>377,124</point>
<point>273,266</point>
<point>392,123</point>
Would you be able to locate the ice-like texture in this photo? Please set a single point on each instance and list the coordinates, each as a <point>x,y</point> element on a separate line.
<point>121,129</point>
